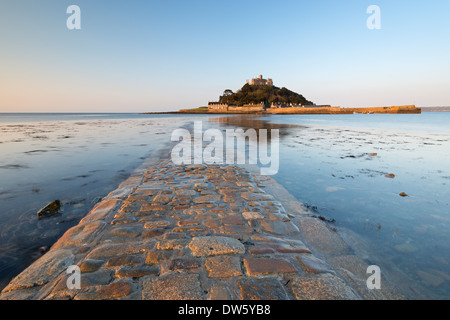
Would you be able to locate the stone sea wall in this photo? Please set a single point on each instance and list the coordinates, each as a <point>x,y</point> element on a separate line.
<point>339,110</point>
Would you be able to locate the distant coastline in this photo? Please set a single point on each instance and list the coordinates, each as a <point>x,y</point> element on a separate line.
<point>296,110</point>
<point>436,109</point>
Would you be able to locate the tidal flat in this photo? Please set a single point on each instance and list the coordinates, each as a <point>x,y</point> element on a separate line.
<point>384,182</point>
<point>379,181</point>
<point>76,159</point>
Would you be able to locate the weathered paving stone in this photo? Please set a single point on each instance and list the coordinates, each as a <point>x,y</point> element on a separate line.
<point>80,234</point>
<point>123,221</point>
<point>189,229</point>
<point>123,215</point>
<point>263,266</point>
<point>143,192</point>
<point>279,245</point>
<point>117,249</point>
<point>182,223</point>
<point>102,210</point>
<point>172,244</point>
<point>43,270</point>
<point>180,200</point>
<point>183,264</point>
<point>245,184</point>
<point>91,265</point>
<point>119,193</point>
<point>152,233</point>
<point>208,192</point>
<point>256,250</point>
<point>156,224</point>
<point>158,256</point>
<point>313,265</point>
<point>21,294</point>
<point>261,289</point>
<point>279,227</point>
<point>319,236</point>
<point>185,192</point>
<point>129,207</point>
<point>207,199</point>
<point>250,196</point>
<point>179,207</point>
<point>252,215</point>
<point>98,278</point>
<point>234,229</point>
<point>277,216</point>
<point>122,261</point>
<point>138,198</point>
<point>215,245</point>
<point>136,271</point>
<point>287,248</point>
<point>211,223</point>
<point>172,287</point>
<point>232,220</point>
<point>203,233</point>
<point>219,292</point>
<point>220,212</point>
<point>162,197</point>
<point>174,235</point>
<point>223,266</point>
<point>323,287</point>
<point>114,290</point>
<point>131,232</point>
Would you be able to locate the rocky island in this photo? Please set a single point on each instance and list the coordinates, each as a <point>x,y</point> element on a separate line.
<point>260,96</point>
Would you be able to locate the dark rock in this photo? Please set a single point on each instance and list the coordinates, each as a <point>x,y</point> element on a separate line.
<point>50,209</point>
<point>261,289</point>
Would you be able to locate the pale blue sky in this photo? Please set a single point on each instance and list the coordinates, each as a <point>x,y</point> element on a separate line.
<point>141,55</point>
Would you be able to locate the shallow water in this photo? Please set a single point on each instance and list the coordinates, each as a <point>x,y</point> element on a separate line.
<point>328,163</point>
<point>76,159</point>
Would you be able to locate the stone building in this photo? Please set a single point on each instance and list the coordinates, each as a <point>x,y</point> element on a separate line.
<point>285,105</point>
<point>218,107</point>
<point>260,81</point>
<point>248,107</point>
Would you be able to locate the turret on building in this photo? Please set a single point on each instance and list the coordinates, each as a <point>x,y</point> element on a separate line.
<point>260,81</point>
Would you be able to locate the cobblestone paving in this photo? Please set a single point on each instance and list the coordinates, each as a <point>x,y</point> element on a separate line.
<point>195,232</point>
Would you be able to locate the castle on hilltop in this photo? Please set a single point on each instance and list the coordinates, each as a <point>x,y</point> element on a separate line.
<point>260,81</point>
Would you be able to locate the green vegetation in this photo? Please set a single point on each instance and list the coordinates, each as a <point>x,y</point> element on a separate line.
<point>256,94</point>
<point>199,109</point>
